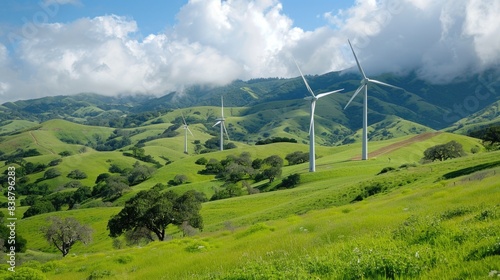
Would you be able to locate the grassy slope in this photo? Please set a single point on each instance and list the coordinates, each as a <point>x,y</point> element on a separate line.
<point>325,191</point>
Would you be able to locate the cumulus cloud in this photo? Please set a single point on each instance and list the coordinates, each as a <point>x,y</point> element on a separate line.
<point>215,42</point>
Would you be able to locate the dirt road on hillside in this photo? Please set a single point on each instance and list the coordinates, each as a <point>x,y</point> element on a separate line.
<point>401,144</point>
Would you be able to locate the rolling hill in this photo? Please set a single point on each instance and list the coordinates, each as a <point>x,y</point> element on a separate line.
<point>392,216</point>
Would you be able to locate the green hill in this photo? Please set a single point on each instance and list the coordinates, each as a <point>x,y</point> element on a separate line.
<point>435,220</point>
<point>392,216</point>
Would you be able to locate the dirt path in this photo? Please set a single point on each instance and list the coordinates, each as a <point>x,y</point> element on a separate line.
<point>398,145</point>
<point>38,144</point>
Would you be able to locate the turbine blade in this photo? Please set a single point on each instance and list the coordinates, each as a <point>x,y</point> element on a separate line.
<point>216,123</point>
<point>354,95</point>
<point>189,131</point>
<point>384,84</point>
<point>225,130</point>
<point>357,62</point>
<point>305,81</point>
<point>313,108</point>
<point>327,93</point>
<point>183,119</point>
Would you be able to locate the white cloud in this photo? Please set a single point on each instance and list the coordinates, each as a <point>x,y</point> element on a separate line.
<point>215,42</point>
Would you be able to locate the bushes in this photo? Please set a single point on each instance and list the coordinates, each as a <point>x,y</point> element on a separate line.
<point>77,174</point>
<point>297,157</point>
<point>290,182</point>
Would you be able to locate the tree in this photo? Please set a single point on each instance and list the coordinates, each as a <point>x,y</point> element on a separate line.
<point>201,161</point>
<point>64,233</point>
<point>155,211</point>
<point>272,167</point>
<point>179,179</point>
<point>490,136</point>
<point>297,157</point>
<point>452,149</point>
<point>77,174</point>
<point>111,188</point>
<point>290,182</point>
<point>102,177</point>
<point>51,173</point>
<point>39,207</point>
<point>139,174</point>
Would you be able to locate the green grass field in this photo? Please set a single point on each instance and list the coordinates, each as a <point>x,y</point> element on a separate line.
<point>428,221</point>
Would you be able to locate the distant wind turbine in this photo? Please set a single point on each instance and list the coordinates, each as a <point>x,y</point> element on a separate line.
<point>364,86</point>
<point>222,125</point>
<point>313,98</point>
<point>186,129</point>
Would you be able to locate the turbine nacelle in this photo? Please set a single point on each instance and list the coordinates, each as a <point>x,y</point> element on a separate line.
<point>313,98</point>
<point>364,87</point>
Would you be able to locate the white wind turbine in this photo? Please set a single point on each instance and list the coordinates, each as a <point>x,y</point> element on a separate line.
<point>364,86</point>
<point>313,98</point>
<point>222,125</point>
<point>186,129</point>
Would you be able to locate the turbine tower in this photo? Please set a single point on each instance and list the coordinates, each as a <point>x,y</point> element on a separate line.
<point>364,86</point>
<point>313,98</point>
<point>222,125</point>
<point>186,129</point>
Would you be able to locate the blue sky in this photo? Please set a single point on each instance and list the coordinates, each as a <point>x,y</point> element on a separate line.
<point>54,47</point>
<point>153,16</point>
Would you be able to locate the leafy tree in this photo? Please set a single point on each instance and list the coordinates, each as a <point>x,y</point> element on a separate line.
<point>29,200</point>
<point>73,185</point>
<point>111,188</point>
<point>51,173</point>
<point>139,174</point>
<point>272,167</point>
<point>443,152</point>
<point>64,233</point>
<point>155,211</point>
<point>102,177</point>
<point>179,179</point>
<point>59,199</point>
<point>274,161</point>
<point>490,136</point>
<point>297,157</point>
<point>213,166</point>
<point>228,190</point>
<point>257,163</point>
<point>65,153</point>
<point>114,168</point>
<point>55,162</point>
<point>290,181</point>
<point>201,161</point>
<point>77,174</point>
<point>81,194</point>
<point>39,207</point>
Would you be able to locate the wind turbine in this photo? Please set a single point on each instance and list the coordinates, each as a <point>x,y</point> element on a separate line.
<point>364,86</point>
<point>313,98</point>
<point>186,129</point>
<point>222,125</point>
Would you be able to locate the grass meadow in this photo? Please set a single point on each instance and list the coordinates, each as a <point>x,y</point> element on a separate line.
<point>439,220</point>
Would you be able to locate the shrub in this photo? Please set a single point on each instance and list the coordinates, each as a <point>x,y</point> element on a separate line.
<point>77,174</point>
<point>386,169</point>
<point>51,173</point>
<point>297,157</point>
<point>201,161</point>
<point>290,181</point>
<point>179,179</point>
<point>55,162</point>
